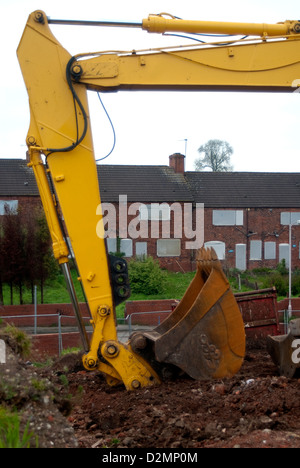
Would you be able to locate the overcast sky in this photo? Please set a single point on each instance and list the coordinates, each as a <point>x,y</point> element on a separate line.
<point>263,128</point>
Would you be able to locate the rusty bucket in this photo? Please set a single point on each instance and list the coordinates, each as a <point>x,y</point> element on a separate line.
<point>204,336</point>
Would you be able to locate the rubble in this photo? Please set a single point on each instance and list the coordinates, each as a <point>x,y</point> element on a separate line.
<point>75,408</point>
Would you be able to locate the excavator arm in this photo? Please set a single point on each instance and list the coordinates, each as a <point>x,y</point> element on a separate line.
<point>204,336</point>
<point>263,66</point>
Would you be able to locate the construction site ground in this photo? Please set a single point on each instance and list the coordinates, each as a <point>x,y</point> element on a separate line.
<point>74,408</point>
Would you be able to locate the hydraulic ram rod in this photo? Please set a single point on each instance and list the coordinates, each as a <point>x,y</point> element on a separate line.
<point>113,24</point>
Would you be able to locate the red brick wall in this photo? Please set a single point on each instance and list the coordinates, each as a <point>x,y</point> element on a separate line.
<point>176,161</point>
<point>47,345</point>
<point>25,203</point>
<point>259,224</point>
<point>149,312</point>
<point>47,315</point>
<point>295,303</point>
<point>262,224</point>
<point>183,263</point>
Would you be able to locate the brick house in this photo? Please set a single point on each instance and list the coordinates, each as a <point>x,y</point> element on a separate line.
<point>245,216</point>
<point>18,189</point>
<point>150,195</point>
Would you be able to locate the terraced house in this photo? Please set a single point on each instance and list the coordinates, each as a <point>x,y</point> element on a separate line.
<point>166,212</point>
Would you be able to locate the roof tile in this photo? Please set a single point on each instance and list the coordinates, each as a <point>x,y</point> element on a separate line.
<point>148,184</point>
<point>245,189</point>
<point>16,178</point>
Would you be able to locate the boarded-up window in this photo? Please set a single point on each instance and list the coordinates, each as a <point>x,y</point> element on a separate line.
<point>141,249</point>
<point>227,217</point>
<point>111,244</point>
<point>270,250</point>
<point>240,256</point>
<point>289,217</point>
<point>255,250</point>
<point>219,248</point>
<point>126,247</point>
<point>168,247</point>
<point>284,253</point>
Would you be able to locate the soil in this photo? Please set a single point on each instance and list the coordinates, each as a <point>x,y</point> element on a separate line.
<point>256,408</point>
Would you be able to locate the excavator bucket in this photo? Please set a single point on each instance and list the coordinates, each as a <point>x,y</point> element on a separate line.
<point>204,336</point>
<point>284,350</point>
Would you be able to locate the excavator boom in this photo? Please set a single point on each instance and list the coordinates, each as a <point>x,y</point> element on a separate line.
<point>204,337</point>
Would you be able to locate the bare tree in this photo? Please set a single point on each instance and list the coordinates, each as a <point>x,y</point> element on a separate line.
<point>215,156</point>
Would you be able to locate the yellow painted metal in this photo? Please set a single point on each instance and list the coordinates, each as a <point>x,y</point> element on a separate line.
<point>74,176</point>
<point>161,24</point>
<point>60,249</point>
<point>59,128</point>
<point>136,373</point>
<point>265,65</point>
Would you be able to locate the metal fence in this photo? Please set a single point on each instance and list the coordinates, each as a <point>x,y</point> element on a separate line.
<point>159,313</point>
<point>125,326</point>
<point>35,316</point>
<point>132,322</point>
<point>286,317</point>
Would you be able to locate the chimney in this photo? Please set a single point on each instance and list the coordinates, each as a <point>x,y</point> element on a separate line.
<point>176,161</point>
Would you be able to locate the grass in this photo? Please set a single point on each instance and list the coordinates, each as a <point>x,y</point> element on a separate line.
<point>175,286</point>
<point>11,435</point>
<point>19,339</point>
<point>55,291</point>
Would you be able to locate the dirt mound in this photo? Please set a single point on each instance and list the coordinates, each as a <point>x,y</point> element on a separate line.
<point>41,401</point>
<point>75,408</point>
<point>256,408</point>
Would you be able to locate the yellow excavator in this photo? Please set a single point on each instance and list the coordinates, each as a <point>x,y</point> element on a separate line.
<point>204,336</point>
